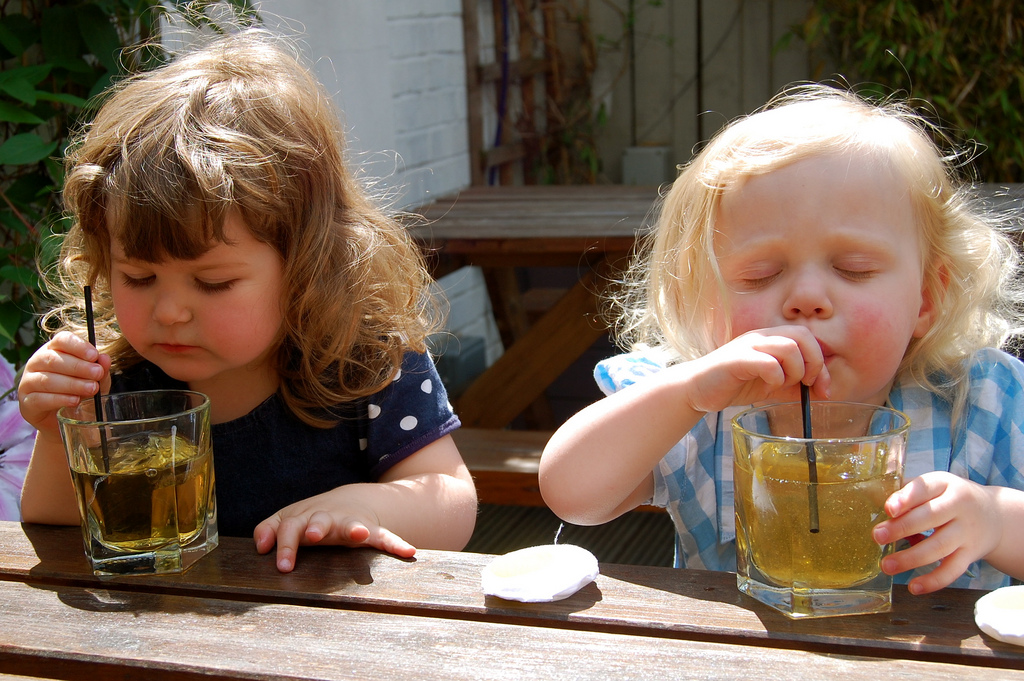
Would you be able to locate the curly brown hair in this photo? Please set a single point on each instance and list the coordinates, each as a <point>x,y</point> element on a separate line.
<point>241,124</point>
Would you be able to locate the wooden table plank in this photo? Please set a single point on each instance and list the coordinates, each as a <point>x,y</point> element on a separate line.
<point>656,602</point>
<point>487,224</point>
<point>100,634</point>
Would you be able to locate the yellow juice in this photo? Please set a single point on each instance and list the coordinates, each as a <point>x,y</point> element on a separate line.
<point>773,509</point>
<point>158,490</point>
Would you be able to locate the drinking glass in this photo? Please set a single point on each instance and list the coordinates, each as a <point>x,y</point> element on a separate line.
<point>143,474</point>
<point>804,547</point>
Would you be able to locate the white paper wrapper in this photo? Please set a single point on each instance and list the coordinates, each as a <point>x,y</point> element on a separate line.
<point>540,573</point>
<point>1000,614</point>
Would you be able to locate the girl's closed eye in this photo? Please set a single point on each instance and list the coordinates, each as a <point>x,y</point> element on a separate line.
<point>856,275</point>
<point>755,283</point>
<point>137,281</point>
<point>856,269</point>
<point>215,287</point>
<point>755,279</point>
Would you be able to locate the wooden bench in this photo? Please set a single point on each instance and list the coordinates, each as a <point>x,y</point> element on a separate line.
<point>505,463</point>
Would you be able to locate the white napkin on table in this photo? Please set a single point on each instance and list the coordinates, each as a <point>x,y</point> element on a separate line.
<point>539,574</point>
<point>1000,614</point>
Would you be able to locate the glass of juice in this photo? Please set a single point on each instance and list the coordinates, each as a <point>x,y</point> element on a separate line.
<point>805,507</point>
<point>143,475</point>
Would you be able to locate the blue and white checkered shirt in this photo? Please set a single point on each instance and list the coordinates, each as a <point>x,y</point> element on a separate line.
<point>694,480</point>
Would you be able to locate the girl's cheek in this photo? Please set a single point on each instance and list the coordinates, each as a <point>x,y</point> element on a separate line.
<point>127,312</point>
<point>748,315</point>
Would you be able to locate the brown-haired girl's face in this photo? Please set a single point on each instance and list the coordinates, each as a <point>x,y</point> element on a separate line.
<point>829,243</point>
<point>212,320</point>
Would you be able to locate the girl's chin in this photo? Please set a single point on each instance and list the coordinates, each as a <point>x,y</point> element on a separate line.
<point>179,372</point>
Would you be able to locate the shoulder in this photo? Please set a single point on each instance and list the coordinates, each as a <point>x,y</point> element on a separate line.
<point>615,373</point>
<point>417,375</point>
<point>1000,360</point>
<point>995,376</point>
<point>409,413</point>
<point>990,445</point>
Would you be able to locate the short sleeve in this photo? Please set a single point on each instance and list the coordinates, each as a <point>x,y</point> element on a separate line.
<point>406,415</point>
<point>615,373</point>
<point>989,448</point>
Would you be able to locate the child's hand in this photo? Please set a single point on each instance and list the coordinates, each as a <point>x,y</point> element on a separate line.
<point>307,522</point>
<point>428,497</point>
<point>758,366</point>
<point>60,374</point>
<point>964,515</point>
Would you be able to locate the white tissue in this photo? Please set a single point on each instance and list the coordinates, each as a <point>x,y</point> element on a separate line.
<point>540,573</point>
<point>1000,614</point>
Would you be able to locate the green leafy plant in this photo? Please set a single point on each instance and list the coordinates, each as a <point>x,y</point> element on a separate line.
<point>56,58</point>
<point>964,57</point>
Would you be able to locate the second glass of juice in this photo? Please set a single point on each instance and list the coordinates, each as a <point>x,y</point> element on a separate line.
<point>805,507</point>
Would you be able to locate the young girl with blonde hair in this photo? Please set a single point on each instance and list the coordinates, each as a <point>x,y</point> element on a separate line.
<point>231,250</point>
<point>820,241</point>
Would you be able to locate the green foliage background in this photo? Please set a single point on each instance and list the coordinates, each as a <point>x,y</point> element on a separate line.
<point>964,57</point>
<point>56,57</point>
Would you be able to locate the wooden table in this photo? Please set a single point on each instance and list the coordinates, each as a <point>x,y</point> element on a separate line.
<point>591,227</point>
<point>345,614</point>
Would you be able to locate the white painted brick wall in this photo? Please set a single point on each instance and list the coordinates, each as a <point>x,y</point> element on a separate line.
<point>428,80</point>
<point>429,96</point>
<point>470,313</point>
<point>397,70</point>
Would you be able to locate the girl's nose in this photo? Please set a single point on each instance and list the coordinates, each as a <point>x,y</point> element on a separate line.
<point>171,309</point>
<point>808,297</point>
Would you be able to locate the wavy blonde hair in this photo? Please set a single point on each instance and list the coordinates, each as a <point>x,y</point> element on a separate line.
<point>970,265</point>
<point>240,124</point>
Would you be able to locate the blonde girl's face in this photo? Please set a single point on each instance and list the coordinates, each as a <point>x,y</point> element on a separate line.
<point>212,321</point>
<point>829,243</point>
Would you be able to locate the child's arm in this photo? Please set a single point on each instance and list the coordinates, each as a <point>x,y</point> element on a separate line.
<point>427,500</point>
<point>599,463</point>
<point>971,522</point>
<point>60,373</point>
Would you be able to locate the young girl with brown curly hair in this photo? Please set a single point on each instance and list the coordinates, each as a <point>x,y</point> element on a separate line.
<point>232,251</point>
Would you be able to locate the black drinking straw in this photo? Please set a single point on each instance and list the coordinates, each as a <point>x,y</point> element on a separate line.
<point>812,459</point>
<point>96,401</point>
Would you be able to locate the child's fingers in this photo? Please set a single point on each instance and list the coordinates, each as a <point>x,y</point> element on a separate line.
<point>71,368</point>
<point>355,533</point>
<point>918,520</point>
<point>795,349</point>
<point>289,536</point>
<point>941,544</point>
<point>69,342</point>
<point>942,576</point>
<point>265,535</point>
<point>915,509</point>
<point>62,384</point>
<point>39,407</point>
<point>385,540</point>
<point>67,345</point>
<point>811,356</point>
<point>916,493</point>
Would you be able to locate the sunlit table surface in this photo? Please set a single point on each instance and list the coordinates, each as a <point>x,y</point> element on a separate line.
<point>358,614</point>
